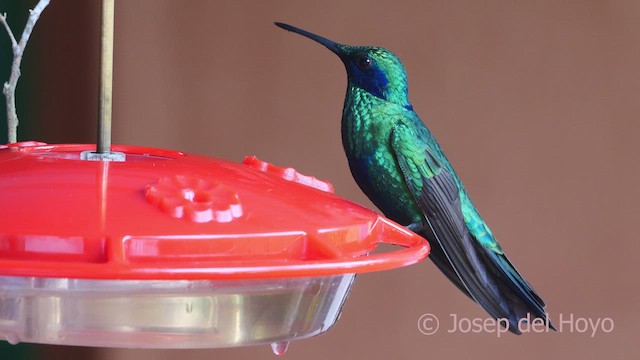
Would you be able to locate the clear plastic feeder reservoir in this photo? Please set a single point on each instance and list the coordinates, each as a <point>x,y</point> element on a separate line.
<point>172,250</point>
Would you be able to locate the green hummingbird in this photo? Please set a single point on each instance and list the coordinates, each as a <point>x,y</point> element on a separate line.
<point>400,166</point>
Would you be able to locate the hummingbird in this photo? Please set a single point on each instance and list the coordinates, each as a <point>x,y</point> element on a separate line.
<point>398,164</point>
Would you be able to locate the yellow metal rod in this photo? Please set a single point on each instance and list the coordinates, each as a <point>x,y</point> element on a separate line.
<point>106,77</point>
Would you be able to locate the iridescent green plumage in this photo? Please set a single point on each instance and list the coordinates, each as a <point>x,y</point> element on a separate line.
<point>400,166</point>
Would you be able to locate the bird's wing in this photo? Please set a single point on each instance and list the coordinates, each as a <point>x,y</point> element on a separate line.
<point>436,193</point>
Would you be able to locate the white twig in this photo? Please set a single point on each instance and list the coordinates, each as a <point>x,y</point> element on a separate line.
<point>3,20</point>
<point>9,88</point>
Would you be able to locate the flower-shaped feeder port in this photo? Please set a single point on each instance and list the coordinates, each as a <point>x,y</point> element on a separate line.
<point>172,250</point>
<point>199,200</point>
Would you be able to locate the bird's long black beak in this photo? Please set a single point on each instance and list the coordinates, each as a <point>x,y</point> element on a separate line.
<point>331,45</point>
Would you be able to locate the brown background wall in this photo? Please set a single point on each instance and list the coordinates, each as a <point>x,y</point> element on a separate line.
<point>536,104</point>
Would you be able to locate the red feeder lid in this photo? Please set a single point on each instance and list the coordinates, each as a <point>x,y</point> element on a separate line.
<point>169,215</point>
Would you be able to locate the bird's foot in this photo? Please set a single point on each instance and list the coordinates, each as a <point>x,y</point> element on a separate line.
<point>415,227</point>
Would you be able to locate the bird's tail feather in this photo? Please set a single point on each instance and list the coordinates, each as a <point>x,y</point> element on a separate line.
<point>487,275</point>
<point>523,301</point>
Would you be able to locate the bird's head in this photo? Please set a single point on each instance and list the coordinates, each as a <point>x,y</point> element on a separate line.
<point>373,69</point>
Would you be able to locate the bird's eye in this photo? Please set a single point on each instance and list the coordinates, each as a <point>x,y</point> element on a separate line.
<point>364,62</point>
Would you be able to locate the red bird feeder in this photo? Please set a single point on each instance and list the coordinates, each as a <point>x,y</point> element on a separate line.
<point>172,250</point>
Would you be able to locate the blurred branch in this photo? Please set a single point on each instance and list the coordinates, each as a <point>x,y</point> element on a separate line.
<point>3,19</point>
<point>9,88</point>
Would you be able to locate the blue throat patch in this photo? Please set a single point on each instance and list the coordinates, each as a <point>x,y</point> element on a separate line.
<point>373,82</point>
